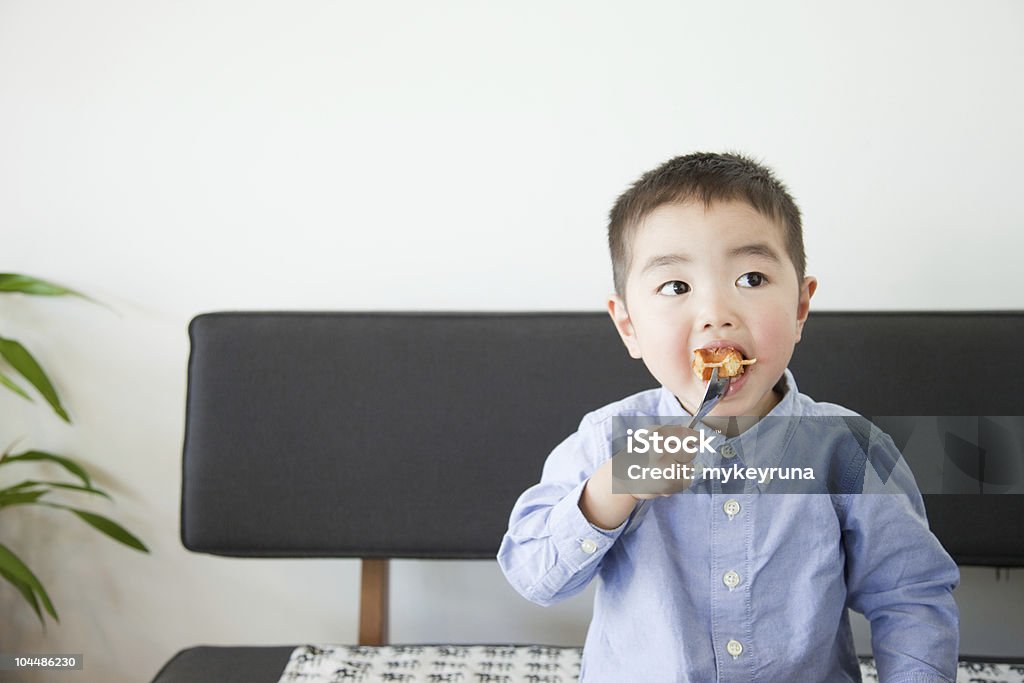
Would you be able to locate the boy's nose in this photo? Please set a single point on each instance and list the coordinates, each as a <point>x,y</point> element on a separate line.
<point>715,312</point>
<point>717,323</point>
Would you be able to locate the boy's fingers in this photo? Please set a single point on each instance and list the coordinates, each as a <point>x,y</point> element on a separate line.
<point>661,465</point>
<point>680,444</point>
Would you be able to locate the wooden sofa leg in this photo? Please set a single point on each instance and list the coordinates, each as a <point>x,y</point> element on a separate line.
<point>373,603</point>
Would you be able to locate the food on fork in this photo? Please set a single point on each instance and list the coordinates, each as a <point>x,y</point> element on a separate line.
<point>728,360</point>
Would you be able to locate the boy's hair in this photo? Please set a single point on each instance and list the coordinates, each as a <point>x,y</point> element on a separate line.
<point>706,177</point>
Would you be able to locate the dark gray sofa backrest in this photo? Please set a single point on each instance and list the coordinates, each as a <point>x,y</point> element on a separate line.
<point>329,434</point>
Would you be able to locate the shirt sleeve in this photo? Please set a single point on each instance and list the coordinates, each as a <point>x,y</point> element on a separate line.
<point>551,551</point>
<point>898,574</point>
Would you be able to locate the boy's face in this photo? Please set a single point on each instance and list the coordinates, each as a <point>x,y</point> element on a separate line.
<point>698,277</point>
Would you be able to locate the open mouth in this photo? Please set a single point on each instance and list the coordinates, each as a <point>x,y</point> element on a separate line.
<point>728,359</point>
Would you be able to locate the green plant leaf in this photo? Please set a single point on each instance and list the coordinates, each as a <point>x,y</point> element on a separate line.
<point>26,592</point>
<point>104,525</point>
<point>18,495</point>
<point>67,463</point>
<point>15,487</point>
<point>26,284</point>
<point>11,565</point>
<point>22,361</point>
<point>59,485</point>
<point>20,498</point>
<point>9,383</point>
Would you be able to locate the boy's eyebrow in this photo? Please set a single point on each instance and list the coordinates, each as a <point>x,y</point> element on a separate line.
<point>760,249</point>
<point>665,260</point>
<point>756,249</point>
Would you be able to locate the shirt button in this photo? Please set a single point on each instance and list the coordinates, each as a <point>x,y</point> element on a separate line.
<point>588,546</point>
<point>731,507</point>
<point>734,647</point>
<point>731,579</point>
<point>728,451</point>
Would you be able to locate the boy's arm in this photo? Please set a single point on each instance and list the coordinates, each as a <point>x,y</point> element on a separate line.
<point>601,507</point>
<point>899,576</point>
<point>551,551</point>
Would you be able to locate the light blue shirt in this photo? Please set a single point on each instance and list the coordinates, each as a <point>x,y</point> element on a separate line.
<point>725,583</point>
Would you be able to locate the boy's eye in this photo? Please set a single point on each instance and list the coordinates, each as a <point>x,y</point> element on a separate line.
<point>674,288</point>
<point>751,280</point>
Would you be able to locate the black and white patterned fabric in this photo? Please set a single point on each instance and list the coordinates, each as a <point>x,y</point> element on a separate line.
<point>966,672</point>
<point>504,664</point>
<point>433,664</point>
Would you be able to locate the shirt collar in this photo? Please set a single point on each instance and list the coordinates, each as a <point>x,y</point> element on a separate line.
<point>669,405</point>
<point>765,443</point>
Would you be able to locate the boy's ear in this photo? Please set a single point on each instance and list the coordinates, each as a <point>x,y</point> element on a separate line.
<point>803,308</point>
<point>620,317</point>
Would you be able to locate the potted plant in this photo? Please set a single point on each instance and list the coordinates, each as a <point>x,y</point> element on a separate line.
<point>40,492</point>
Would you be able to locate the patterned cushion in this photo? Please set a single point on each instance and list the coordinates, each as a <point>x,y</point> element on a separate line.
<point>505,664</point>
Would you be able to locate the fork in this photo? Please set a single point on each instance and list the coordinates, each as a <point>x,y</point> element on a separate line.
<point>717,386</point>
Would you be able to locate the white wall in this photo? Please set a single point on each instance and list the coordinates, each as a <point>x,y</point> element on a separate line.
<point>172,158</point>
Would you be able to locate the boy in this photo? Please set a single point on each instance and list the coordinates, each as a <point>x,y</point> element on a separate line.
<point>720,583</point>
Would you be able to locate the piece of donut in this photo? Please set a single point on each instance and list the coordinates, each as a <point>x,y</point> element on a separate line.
<point>728,360</point>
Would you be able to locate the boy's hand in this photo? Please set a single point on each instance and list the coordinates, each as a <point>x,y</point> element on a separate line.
<point>678,463</point>
<point>608,509</point>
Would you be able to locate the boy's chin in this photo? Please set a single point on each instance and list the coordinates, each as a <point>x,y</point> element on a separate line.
<point>725,411</point>
<point>739,401</point>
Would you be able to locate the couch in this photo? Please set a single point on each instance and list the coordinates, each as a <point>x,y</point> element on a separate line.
<point>410,435</point>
